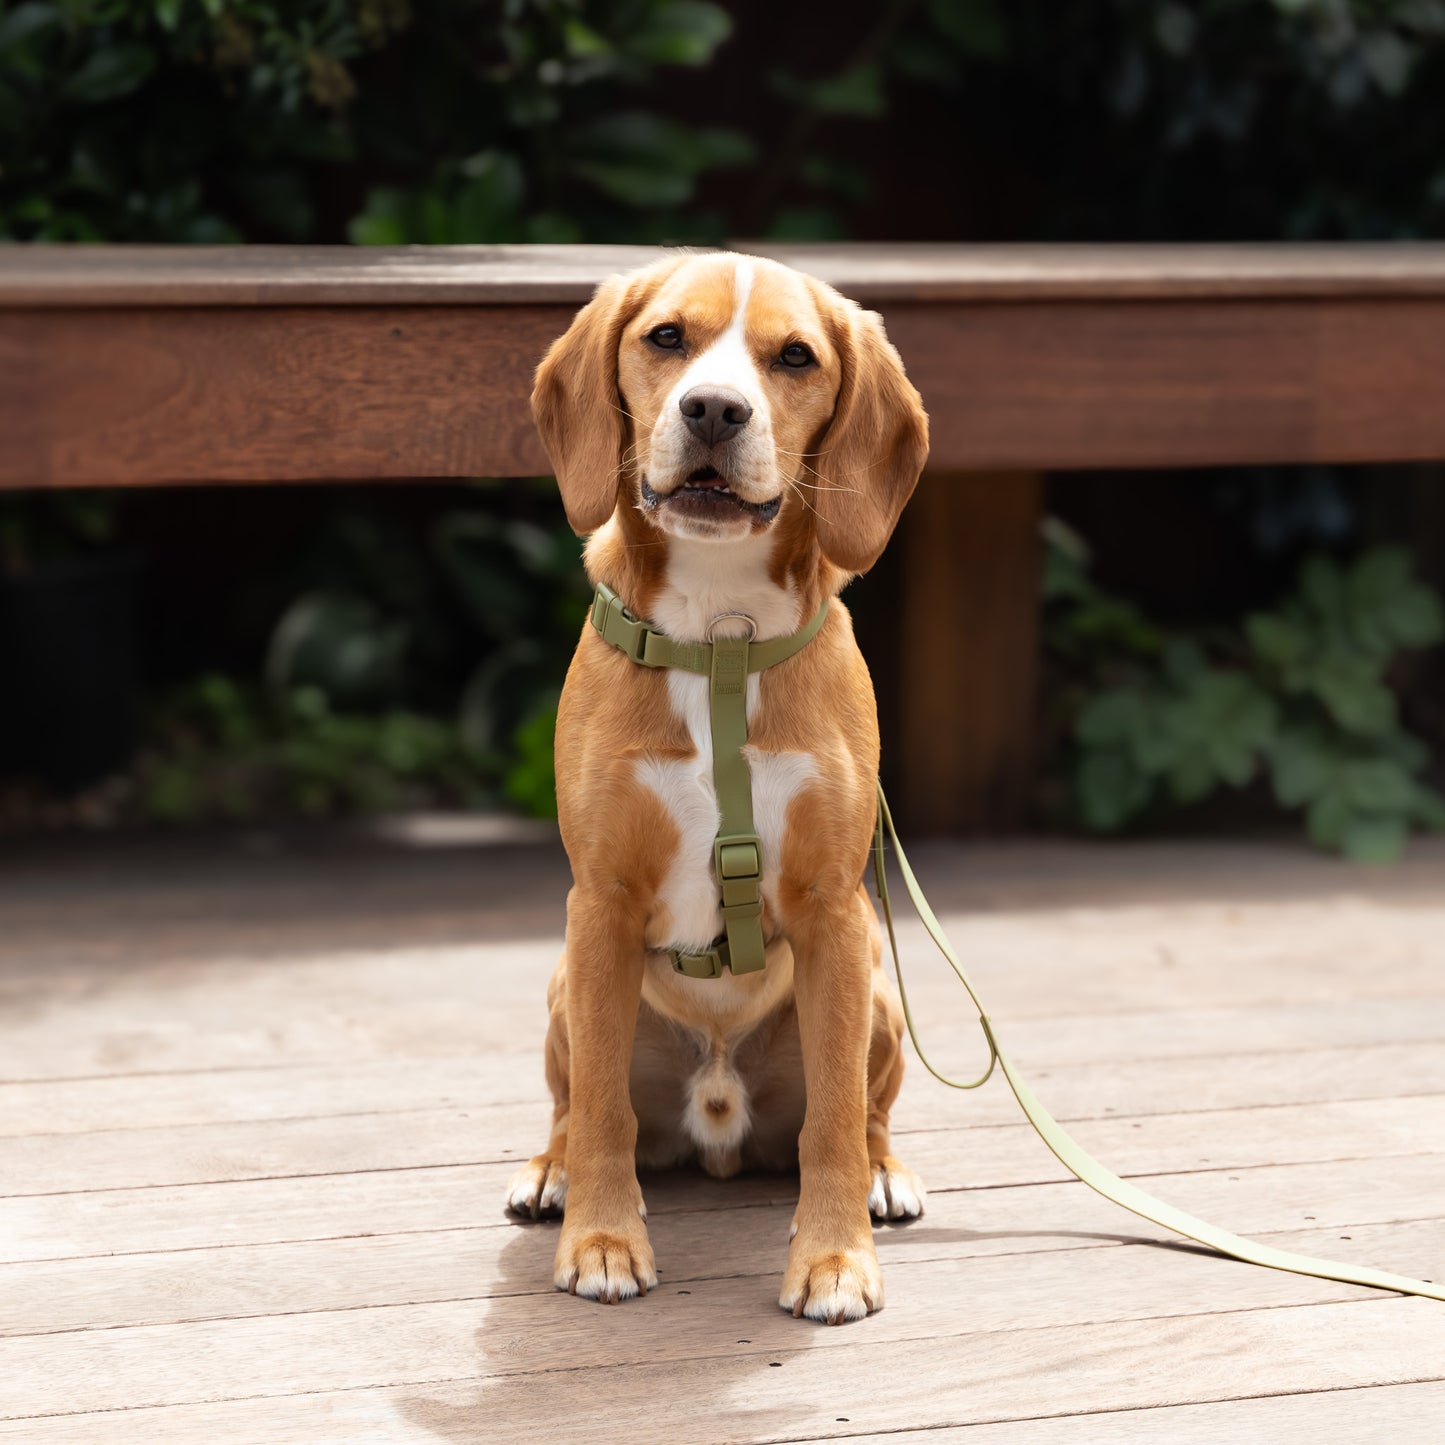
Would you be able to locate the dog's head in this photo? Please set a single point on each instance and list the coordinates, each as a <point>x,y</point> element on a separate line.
<point>716,393</point>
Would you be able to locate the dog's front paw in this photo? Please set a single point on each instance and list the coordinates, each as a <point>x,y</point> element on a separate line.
<point>896,1192</point>
<point>605,1264</point>
<point>539,1188</point>
<point>832,1285</point>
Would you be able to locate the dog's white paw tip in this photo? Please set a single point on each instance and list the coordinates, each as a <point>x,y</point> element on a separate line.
<point>538,1189</point>
<point>897,1192</point>
<point>834,1289</point>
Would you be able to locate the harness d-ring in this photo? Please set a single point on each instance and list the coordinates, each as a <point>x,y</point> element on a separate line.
<point>733,617</point>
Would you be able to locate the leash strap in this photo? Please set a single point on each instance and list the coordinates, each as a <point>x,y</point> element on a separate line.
<point>737,849</point>
<point>1068,1152</point>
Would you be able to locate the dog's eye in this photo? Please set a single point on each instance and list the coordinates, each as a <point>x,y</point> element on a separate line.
<point>796,355</point>
<point>668,338</point>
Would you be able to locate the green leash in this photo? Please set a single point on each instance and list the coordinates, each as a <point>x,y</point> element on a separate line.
<point>738,859</point>
<point>1068,1152</point>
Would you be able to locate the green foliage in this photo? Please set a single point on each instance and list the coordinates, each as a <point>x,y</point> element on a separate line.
<point>41,527</point>
<point>1300,696</point>
<point>532,782</point>
<point>413,120</point>
<point>220,749</point>
<point>391,622</point>
<point>1147,119</point>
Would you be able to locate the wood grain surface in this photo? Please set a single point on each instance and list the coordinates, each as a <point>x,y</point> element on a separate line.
<point>263,1201</point>
<point>76,275</point>
<point>93,397</point>
<point>968,626</point>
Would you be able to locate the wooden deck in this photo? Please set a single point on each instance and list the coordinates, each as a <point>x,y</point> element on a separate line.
<point>261,1100</point>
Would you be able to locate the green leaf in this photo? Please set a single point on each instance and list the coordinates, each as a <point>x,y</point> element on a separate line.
<point>109,74</point>
<point>1387,607</point>
<point>1183,661</point>
<point>973,25</point>
<point>532,779</point>
<point>168,12</point>
<point>1303,767</point>
<point>856,92</point>
<point>1110,789</point>
<point>1277,640</point>
<point>583,41</point>
<point>1192,778</point>
<point>1429,809</point>
<point>487,207</point>
<point>680,32</point>
<point>19,24</point>
<point>1175,28</point>
<point>1326,820</point>
<point>1116,716</point>
<point>1322,585</point>
<point>1378,785</point>
<point>340,647</point>
<point>1354,695</point>
<point>1374,839</point>
<point>384,221</point>
<point>1388,58</point>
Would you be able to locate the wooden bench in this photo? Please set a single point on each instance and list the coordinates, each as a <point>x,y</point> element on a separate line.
<point>125,366</point>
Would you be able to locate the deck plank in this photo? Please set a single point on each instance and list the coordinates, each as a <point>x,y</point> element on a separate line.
<point>997,1154</point>
<point>1080,1089</point>
<point>785,1393</point>
<point>254,1139</point>
<point>707,1252</point>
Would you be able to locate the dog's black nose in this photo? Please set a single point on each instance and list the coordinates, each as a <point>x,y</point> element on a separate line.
<point>715,413</point>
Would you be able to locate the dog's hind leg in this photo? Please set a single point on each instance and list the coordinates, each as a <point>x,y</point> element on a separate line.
<point>539,1188</point>
<point>896,1191</point>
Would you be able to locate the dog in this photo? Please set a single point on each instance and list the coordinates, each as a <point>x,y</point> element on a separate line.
<point>737,441</point>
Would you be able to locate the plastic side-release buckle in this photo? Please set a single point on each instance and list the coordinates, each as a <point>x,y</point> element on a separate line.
<point>617,625</point>
<point>700,965</point>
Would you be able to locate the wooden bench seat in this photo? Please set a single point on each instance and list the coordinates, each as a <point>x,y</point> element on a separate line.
<point>138,366</point>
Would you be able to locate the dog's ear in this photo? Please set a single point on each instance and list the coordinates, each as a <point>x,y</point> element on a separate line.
<point>576,404</point>
<point>874,448</point>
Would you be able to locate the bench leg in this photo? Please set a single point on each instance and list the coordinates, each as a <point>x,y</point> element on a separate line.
<point>969,650</point>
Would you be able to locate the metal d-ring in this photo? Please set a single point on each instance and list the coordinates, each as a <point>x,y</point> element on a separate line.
<point>734,617</point>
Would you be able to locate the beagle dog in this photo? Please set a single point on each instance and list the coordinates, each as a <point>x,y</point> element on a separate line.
<point>738,440</point>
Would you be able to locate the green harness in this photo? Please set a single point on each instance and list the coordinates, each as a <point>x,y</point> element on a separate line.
<point>737,851</point>
<point>738,857</point>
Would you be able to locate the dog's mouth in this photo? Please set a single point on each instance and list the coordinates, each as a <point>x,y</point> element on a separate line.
<point>705,491</point>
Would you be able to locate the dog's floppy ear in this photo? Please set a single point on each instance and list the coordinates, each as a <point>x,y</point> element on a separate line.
<point>874,448</point>
<point>576,404</point>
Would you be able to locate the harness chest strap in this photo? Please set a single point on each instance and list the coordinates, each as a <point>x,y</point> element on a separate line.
<point>737,849</point>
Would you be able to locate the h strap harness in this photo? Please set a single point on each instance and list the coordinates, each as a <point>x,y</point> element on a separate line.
<point>737,851</point>
<point>738,858</point>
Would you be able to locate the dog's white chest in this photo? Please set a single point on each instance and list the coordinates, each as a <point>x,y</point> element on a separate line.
<point>690,891</point>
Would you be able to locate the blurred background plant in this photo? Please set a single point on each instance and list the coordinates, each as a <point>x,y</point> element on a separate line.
<point>1162,718</point>
<point>384,120</point>
<point>495,121</point>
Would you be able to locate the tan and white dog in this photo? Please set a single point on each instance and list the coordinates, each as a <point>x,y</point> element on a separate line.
<point>739,440</point>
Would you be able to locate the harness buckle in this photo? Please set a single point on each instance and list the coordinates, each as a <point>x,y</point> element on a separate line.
<point>708,964</point>
<point>628,634</point>
<point>737,857</point>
